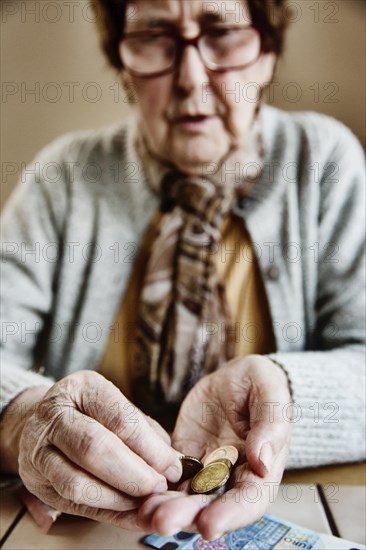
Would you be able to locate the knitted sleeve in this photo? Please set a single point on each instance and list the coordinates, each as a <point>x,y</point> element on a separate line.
<point>30,238</point>
<point>328,382</point>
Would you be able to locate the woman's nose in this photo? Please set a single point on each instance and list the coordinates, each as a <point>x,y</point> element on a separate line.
<point>191,72</point>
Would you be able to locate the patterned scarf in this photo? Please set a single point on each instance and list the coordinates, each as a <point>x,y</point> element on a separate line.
<point>183,302</point>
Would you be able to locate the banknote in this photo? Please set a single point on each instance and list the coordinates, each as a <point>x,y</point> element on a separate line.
<point>268,533</point>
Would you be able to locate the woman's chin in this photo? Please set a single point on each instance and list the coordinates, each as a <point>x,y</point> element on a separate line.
<point>196,161</point>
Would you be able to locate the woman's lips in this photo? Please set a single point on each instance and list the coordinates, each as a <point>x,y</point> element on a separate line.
<point>191,121</point>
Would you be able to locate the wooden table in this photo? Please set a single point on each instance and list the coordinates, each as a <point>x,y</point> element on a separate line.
<point>329,500</point>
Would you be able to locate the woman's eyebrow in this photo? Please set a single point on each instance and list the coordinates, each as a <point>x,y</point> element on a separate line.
<point>210,17</point>
<point>155,23</point>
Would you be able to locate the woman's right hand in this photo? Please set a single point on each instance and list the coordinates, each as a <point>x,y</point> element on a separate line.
<point>87,450</point>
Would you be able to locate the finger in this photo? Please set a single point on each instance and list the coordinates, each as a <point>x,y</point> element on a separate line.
<point>179,513</point>
<point>101,453</point>
<point>159,430</point>
<point>270,420</point>
<point>109,407</point>
<point>264,444</point>
<point>125,520</point>
<point>150,505</point>
<point>74,484</point>
<point>220,518</point>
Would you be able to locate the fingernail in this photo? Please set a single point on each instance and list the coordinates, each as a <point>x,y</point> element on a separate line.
<point>266,456</point>
<point>215,537</point>
<point>174,473</point>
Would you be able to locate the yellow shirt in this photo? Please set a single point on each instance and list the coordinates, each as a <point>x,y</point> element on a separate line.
<point>238,270</point>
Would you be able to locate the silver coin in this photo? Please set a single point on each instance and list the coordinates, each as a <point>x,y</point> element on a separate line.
<point>228,451</point>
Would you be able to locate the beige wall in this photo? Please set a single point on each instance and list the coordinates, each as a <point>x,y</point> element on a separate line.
<point>55,50</point>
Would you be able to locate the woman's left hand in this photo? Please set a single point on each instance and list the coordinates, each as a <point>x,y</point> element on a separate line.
<point>246,404</point>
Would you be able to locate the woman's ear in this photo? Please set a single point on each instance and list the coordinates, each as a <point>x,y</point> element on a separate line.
<point>268,63</point>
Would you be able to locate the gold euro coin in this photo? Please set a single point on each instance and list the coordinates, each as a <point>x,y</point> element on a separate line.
<point>190,467</point>
<point>228,451</point>
<point>211,477</point>
<point>226,461</point>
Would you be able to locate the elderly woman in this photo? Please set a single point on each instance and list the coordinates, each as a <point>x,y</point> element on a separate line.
<point>175,256</point>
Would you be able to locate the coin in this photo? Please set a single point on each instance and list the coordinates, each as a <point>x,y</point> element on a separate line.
<point>228,451</point>
<point>211,477</point>
<point>226,461</point>
<point>190,467</point>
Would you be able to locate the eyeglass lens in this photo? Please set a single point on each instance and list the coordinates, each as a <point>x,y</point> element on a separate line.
<point>219,48</point>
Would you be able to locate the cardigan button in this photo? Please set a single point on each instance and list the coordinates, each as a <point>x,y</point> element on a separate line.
<point>273,273</point>
<point>242,202</point>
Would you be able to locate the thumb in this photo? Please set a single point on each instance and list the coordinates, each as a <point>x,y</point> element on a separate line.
<point>268,437</point>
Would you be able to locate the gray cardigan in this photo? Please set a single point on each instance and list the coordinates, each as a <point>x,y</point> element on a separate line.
<point>73,225</point>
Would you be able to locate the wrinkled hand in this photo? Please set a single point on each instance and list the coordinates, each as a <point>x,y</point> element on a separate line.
<point>241,404</point>
<point>86,450</point>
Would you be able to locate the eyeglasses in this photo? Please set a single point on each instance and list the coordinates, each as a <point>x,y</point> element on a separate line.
<point>222,48</point>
